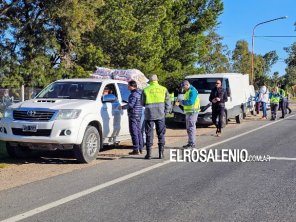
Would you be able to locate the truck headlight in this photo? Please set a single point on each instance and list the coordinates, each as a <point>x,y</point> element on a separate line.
<point>8,113</point>
<point>68,114</point>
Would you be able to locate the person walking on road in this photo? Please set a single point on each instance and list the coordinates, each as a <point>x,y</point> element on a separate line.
<point>134,109</point>
<point>218,97</point>
<point>287,104</point>
<point>263,99</point>
<point>156,100</point>
<point>191,105</point>
<point>282,104</point>
<point>274,102</point>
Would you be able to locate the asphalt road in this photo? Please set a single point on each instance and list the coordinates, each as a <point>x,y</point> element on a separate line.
<point>133,189</point>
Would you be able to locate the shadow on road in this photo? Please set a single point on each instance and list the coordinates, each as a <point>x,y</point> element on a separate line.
<point>60,156</point>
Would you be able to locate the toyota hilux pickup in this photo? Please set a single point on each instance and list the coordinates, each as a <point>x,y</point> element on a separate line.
<point>78,114</point>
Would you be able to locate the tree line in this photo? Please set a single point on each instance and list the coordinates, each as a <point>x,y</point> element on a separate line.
<point>41,41</point>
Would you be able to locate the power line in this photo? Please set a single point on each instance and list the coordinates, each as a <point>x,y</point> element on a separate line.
<point>277,36</point>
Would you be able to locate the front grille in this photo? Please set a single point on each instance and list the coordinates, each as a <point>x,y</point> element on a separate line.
<point>40,132</point>
<point>33,115</point>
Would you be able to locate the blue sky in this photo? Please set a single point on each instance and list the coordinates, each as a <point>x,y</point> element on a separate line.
<point>240,16</point>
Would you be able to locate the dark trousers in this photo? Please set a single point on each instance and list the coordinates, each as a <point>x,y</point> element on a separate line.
<point>287,107</point>
<point>136,132</point>
<point>160,130</point>
<point>283,107</point>
<point>257,108</point>
<point>274,108</point>
<point>218,112</point>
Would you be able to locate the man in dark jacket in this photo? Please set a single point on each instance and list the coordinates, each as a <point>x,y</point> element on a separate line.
<point>134,110</point>
<point>218,98</point>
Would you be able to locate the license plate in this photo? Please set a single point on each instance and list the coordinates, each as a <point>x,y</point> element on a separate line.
<point>29,128</point>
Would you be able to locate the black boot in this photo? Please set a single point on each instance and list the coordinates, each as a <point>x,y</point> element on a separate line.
<point>161,151</point>
<point>148,155</point>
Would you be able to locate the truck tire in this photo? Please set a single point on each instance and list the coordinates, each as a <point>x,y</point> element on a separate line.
<point>18,151</point>
<point>88,150</point>
<point>239,118</point>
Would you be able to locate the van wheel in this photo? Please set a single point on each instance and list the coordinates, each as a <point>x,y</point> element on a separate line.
<point>18,151</point>
<point>88,150</point>
<point>239,118</point>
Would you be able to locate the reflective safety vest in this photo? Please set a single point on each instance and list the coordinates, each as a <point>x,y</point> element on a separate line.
<point>275,98</point>
<point>172,96</point>
<point>282,92</point>
<point>193,108</point>
<point>155,93</point>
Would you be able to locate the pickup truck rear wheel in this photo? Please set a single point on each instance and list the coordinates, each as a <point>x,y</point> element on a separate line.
<point>18,151</point>
<point>88,150</point>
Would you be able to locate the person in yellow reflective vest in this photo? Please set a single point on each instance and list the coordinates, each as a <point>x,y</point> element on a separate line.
<point>156,100</point>
<point>191,106</point>
<point>275,98</point>
<point>283,101</point>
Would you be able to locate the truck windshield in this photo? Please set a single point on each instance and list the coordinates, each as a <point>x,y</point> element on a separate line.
<point>71,90</point>
<point>205,85</point>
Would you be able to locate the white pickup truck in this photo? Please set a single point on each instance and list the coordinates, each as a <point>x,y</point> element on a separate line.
<point>78,114</point>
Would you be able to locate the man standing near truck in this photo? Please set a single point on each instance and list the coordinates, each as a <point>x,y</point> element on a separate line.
<point>156,100</point>
<point>191,107</point>
<point>218,98</point>
<point>134,110</point>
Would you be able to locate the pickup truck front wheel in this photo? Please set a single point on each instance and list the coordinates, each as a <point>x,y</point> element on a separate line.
<point>88,150</point>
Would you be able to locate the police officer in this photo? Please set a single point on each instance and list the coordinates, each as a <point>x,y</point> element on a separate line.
<point>134,110</point>
<point>274,97</point>
<point>283,101</point>
<point>156,100</point>
<point>218,97</point>
<point>191,107</point>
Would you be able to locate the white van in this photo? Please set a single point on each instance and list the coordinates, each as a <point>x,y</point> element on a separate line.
<point>238,90</point>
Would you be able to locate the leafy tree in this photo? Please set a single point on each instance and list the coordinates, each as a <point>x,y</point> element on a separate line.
<point>41,41</point>
<point>40,38</point>
<point>154,36</point>
<point>216,60</point>
<point>291,65</point>
<point>241,58</point>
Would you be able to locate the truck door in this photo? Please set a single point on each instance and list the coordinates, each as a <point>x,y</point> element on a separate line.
<point>124,125</point>
<point>111,114</point>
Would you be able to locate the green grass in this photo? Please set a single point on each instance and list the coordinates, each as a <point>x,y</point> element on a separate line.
<point>3,165</point>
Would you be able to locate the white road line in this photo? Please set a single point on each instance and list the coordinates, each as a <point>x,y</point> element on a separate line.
<point>282,158</point>
<point>118,180</point>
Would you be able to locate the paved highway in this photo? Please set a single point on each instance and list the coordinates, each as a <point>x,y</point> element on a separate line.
<point>133,189</point>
